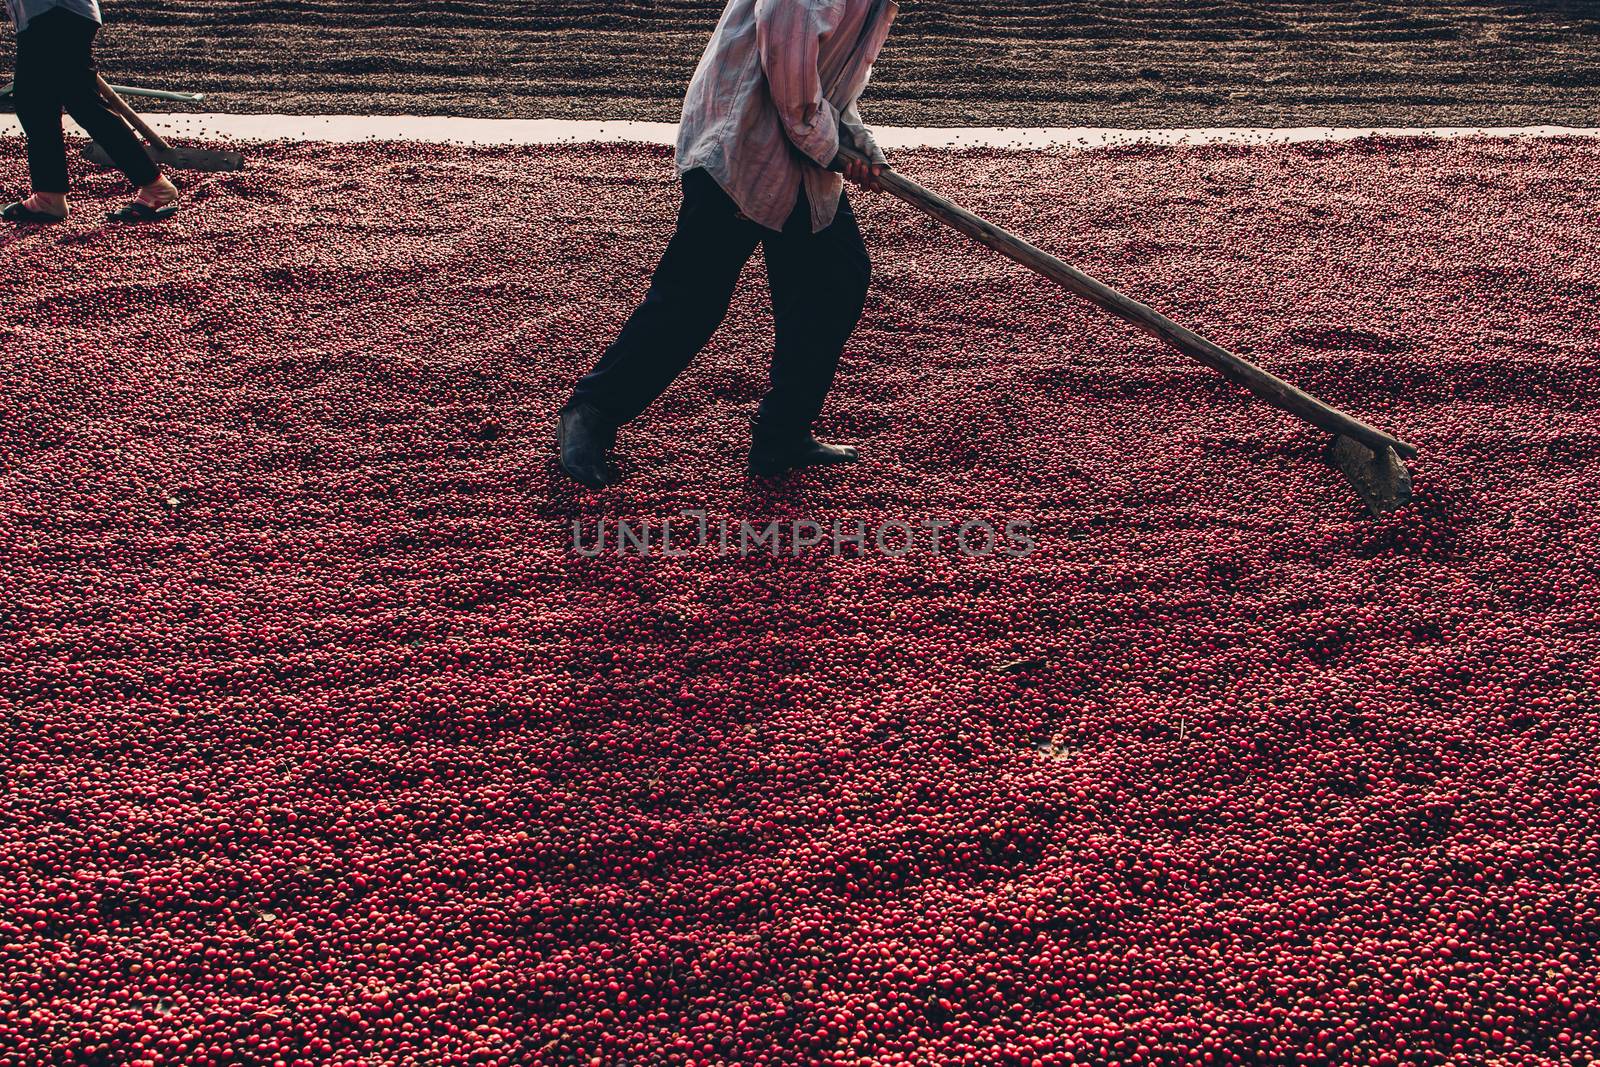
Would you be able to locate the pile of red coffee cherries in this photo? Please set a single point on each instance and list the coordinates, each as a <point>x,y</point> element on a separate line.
<point>322,745</point>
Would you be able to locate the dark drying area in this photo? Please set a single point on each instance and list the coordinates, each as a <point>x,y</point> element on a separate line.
<point>950,62</point>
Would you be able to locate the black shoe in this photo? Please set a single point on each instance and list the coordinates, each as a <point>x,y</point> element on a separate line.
<point>139,211</point>
<point>20,212</point>
<point>584,435</point>
<point>770,458</point>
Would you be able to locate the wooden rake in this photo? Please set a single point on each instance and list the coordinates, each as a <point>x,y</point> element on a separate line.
<point>1372,460</point>
<point>178,157</point>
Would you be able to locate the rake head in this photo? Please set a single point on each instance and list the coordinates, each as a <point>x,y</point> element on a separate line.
<point>1380,477</point>
<point>177,158</point>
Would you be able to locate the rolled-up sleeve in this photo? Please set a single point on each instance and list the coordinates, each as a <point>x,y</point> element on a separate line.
<point>789,36</point>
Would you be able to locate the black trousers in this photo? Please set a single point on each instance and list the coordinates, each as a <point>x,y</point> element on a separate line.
<point>55,70</point>
<point>819,286</point>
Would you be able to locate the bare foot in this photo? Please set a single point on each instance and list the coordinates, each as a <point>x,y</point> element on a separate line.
<point>47,203</point>
<point>158,193</point>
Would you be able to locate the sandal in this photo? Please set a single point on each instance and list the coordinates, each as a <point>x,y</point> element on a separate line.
<point>20,212</point>
<point>139,211</point>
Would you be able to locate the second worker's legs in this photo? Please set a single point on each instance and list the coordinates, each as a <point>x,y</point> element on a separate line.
<point>55,69</point>
<point>38,98</point>
<point>80,96</point>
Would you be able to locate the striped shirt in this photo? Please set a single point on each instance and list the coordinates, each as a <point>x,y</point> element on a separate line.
<point>774,92</point>
<point>24,11</point>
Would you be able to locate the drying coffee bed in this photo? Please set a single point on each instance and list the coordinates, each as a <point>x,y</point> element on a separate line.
<point>1144,64</point>
<point>322,744</point>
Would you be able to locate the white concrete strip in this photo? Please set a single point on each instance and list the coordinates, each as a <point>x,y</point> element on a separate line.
<point>348,129</point>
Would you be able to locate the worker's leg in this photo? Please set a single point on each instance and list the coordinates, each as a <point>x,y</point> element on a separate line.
<point>80,95</point>
<point>38,101</point>
<point>819,286</point>
<point>688,297</point>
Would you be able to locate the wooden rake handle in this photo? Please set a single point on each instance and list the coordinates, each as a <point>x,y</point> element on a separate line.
<point>1274,390</point>
<point>120,106</point>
